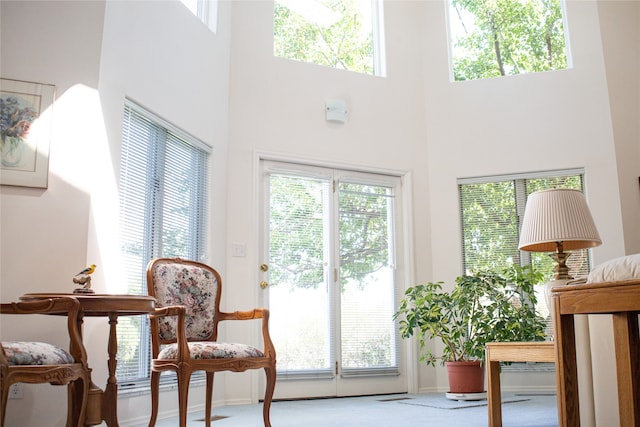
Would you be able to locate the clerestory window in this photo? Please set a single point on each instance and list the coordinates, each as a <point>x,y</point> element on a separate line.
<point>506,37</point>
<point>344,34</point>
<point>206,10</point>
<point>164,177</point>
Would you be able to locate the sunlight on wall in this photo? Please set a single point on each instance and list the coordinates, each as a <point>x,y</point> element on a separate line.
<point>85,162</point>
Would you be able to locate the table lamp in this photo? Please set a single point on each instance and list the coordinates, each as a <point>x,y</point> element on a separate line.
<point>554,221</point>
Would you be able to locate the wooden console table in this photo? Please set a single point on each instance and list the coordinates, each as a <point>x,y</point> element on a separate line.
<point>103,405</point>
<point>537,351</point>
<point>621,300</point>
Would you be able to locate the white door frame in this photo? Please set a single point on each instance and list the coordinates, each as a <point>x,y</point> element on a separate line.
<point>409,347</point>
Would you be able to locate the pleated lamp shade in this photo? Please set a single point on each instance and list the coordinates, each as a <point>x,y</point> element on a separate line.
<point>557,216</point>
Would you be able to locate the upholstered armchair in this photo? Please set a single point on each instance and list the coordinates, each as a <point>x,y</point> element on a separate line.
<point>184,333</point>
<point>38,362</point>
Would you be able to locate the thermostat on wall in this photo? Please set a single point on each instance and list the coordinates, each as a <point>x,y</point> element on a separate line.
<point>335,110</point>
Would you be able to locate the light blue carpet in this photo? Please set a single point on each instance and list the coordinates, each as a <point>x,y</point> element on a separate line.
<point>404,410</point>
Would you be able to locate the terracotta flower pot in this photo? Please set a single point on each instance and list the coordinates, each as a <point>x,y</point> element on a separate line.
<point>465,377</point>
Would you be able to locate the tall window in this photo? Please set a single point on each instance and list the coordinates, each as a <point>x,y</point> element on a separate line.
<point>344,34</point>
<point>163,212</point>
<point>491,212</point>
<point>206,10</point>
<point>506,37</point>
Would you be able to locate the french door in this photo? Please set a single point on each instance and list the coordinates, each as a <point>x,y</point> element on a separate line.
<point>330,270</point>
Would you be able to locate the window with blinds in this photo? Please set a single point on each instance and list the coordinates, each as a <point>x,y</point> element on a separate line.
<point>163,212</point>
<point>491,209</point>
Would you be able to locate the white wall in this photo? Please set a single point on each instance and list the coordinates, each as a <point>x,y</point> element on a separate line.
<point>620,23</point>
<point>525,123</point>
<point>44,233</point>
<point>277,107</point>
<point>96,53</point>
<point>620,28</point>
<point>413,120</point>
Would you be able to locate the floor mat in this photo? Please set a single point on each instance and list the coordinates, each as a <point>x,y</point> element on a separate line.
<point>395,399</point>
<point>442,402</point>
<point>213,418</point>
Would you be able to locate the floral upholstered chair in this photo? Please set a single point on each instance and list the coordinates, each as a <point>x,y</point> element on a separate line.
<point>39,362</point>
<point>184,333</point>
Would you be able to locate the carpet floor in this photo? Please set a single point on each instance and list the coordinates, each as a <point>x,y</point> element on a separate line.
<point>402,410</point>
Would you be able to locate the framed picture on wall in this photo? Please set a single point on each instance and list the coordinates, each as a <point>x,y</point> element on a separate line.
<point>26,111</point>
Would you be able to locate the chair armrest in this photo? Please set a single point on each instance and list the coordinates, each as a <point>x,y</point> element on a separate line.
<point>256,313</point>
<point>180,312</point>
<point>170,310</point>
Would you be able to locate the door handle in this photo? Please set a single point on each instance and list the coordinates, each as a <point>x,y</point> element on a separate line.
<point>264,268</point>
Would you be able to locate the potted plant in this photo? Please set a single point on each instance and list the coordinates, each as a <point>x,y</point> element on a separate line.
<point>488,306</point>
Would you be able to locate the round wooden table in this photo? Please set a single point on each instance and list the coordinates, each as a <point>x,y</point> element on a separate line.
<point>103,405</point>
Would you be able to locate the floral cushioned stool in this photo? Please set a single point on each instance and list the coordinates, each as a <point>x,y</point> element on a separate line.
<point>185,324</point>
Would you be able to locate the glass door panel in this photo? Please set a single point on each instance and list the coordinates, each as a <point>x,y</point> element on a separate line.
<point>367,291</point>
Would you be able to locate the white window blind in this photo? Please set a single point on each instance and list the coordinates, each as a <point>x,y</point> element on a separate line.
<point>163,212</point>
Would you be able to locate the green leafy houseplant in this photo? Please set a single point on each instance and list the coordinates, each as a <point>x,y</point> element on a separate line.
<point>488,306</point>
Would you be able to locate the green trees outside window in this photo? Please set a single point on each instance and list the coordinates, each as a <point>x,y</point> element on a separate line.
<point>334,33</point>
<point>489,38</point>
<point>492,38</point>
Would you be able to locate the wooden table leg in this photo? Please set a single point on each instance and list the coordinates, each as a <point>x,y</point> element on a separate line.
<point>73,409</point>
<point>110,396</point>
<point>566,370</point>
<point>627,346</point>
<point>74,393</point>
<point>494,398</point>
<point>93,412</point>
<point>497,352</point>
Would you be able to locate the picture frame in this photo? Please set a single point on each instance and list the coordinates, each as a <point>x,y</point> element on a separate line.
<point>26,117</point>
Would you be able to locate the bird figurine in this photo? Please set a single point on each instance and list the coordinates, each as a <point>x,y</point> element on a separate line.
<point>84,278</point>
<point>87,270</point>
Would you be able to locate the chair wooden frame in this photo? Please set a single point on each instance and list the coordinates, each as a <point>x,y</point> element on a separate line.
<point>77,376</point>
<point>184,365</point>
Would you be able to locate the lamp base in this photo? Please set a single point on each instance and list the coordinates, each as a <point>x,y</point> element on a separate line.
<point>560,269</point>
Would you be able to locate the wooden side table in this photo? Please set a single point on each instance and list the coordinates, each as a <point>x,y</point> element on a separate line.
<point>538,351</point>
<point>621,300</point>
<point>103,405</point>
